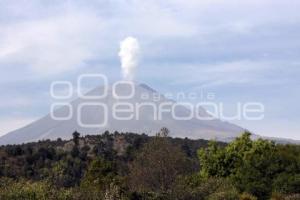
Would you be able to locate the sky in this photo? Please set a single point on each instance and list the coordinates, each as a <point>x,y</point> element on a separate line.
<point>242,51</point>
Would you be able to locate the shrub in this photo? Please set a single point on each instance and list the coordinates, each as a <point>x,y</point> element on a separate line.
<point>246,196</point>
<point>292,197</point>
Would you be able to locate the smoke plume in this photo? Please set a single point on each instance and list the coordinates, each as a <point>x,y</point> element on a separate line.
<point>129,54</point>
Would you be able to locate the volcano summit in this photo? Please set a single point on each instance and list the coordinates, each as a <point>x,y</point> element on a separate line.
<point>125,108</point>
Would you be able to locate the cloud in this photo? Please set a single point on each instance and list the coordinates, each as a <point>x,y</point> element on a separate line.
<point>66,37</point>
<point>53,38</point>
<point>51,45</point>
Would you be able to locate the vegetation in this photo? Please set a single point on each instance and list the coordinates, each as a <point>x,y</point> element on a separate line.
<point>129,166</point>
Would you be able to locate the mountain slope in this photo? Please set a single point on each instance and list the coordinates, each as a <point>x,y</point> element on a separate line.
<point>49,128</point>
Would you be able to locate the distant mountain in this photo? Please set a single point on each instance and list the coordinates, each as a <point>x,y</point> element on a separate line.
<point>279,140</point>
<point>49,128</point>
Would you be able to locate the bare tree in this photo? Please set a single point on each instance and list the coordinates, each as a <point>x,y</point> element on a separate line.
<point>157,165</point>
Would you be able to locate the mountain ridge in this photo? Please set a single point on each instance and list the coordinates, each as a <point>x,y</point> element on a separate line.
<point>48,128</point>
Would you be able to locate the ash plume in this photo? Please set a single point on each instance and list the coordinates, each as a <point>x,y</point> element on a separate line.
<point>129,56</point>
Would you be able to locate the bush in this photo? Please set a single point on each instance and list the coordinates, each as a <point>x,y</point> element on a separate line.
<point>195,188</point>
<point>225,191</point>
<point>292,197</point>
<point>246,196</point>
<point>277,196</point>
<point>22,189</point>
<point>287,183</point>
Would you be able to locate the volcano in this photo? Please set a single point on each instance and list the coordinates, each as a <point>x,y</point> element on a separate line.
<point>95,115</point>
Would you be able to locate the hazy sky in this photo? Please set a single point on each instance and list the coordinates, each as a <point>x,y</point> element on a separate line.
<point>239,50</point>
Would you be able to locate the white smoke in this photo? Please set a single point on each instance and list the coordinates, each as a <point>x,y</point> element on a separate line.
<point>129,54</point>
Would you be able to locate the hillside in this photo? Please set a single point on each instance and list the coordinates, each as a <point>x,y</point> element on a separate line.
<point>33,160</point>
<point>128,166</point>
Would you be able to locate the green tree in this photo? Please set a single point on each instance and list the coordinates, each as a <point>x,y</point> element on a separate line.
<point>101,181</point>
<point>251,165</point>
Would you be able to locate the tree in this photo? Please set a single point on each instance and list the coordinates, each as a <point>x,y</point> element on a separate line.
<point>101,181</point>
<point>251,165</point>
<point>157,166</point>
<point>76,136</point>
<point>100,173</point>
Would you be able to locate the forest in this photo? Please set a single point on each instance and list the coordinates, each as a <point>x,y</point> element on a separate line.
<point>129,166</point>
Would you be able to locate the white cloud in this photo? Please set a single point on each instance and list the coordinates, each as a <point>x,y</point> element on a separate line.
<point>51,45</point>
<point>217,74</point>
<point>58,37</point>
<point>64,40</point>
